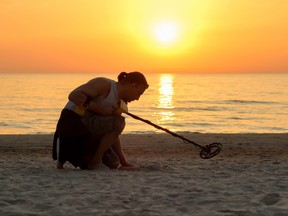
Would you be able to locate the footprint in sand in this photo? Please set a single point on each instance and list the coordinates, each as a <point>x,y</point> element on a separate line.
<point>270,199</point>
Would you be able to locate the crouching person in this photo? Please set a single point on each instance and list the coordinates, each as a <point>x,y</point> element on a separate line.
<point>88,130</point>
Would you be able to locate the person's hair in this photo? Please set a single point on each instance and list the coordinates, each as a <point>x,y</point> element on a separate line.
<point>133,77</point>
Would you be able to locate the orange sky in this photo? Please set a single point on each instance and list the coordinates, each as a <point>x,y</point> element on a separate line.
<point>117,35</point>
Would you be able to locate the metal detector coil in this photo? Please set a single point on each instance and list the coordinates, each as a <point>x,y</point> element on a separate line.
<point>210,150</point>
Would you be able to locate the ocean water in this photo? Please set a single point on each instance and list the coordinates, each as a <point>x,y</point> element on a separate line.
<point>209,103</point>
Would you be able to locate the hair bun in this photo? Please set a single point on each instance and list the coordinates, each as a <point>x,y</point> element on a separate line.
<point>122,75</point>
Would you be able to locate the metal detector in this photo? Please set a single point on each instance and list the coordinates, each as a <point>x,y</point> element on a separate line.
<point>206,152</point>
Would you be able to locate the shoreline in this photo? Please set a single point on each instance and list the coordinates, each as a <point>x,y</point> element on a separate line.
<point>205,138</point>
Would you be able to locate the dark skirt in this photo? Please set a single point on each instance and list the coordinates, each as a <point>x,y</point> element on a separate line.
<point>75,143</point>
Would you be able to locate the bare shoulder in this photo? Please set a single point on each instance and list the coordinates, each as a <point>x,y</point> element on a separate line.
<point>99,81</point>
<point>99,84</point>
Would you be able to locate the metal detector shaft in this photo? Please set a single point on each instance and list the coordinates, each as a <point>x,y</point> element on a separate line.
<point>164,129</point>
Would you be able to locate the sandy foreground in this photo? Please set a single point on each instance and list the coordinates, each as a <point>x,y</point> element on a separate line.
<point>248,177</point>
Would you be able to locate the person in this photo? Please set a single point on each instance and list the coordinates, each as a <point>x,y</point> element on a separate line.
<point>88,130</point>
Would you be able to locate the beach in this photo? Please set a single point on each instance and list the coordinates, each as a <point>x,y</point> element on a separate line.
<point>248,177</point>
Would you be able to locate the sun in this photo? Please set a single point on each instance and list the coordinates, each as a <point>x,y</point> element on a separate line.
<point>164,37</point>
<point>166,32</point>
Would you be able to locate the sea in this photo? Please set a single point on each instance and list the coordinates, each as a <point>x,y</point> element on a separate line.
<point>200,103</point>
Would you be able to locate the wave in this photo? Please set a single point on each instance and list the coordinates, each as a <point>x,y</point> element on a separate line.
<point>3,124</point>
<point>248,102</point>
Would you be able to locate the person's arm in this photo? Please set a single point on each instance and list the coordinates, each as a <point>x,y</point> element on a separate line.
<point>119,151</point>
<point>83,95</point>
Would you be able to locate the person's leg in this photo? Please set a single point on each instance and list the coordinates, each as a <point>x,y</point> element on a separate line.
<point>110,159</point>
<point>113,160</point>
<point>91,146</point>
<point>107,141</point>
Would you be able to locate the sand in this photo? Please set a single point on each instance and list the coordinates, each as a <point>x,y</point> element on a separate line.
<point>248,177</point>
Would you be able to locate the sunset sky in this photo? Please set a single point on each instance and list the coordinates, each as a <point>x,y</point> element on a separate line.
<point>152,36</point>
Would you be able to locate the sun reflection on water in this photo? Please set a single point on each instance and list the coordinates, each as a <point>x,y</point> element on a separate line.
<point>166,92</point>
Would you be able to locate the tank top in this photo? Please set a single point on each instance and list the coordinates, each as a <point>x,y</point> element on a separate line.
<point>112,98</point>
